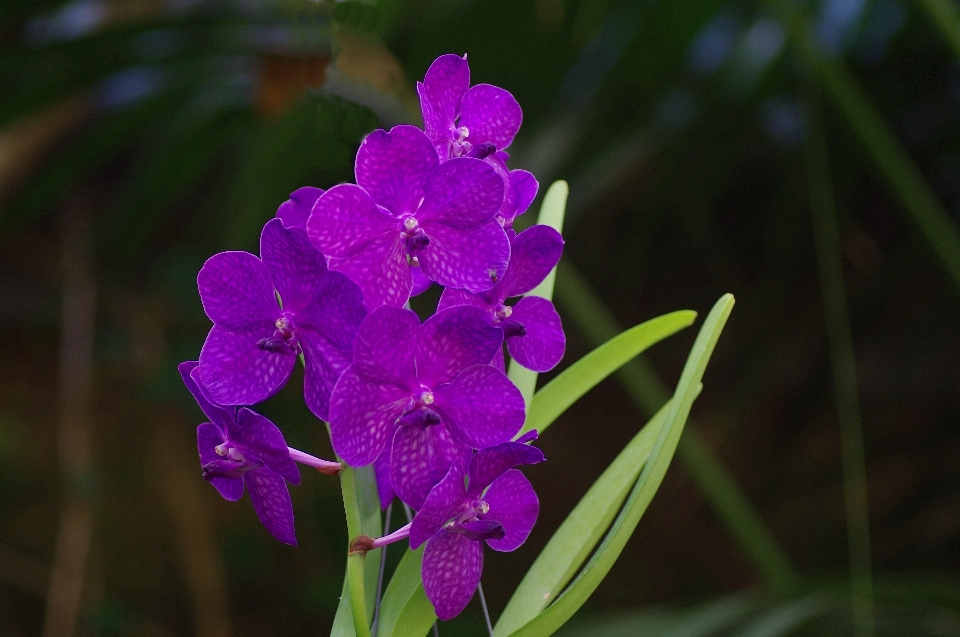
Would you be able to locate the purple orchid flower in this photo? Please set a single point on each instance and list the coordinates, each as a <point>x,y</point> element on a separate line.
<point>253,345</point>
<point>459,118</point>
<point>242,447</point>
<point>427,388</point>
<point>295,210</point>
<point>408,210</point>
<point>531,327</point>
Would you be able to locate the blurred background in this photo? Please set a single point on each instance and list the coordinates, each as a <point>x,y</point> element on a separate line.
<point>803,155</point>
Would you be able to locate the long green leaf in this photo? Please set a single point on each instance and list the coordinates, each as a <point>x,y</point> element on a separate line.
<point>564,390</point>
<point>554,616</point>
<point>405,609</point>
<point>552,211</point>
<point>580,531</point>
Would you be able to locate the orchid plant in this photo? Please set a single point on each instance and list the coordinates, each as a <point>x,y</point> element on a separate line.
<point>428,413</point>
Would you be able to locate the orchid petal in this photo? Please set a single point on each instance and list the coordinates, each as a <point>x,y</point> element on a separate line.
<point>444,84</point>
<point>208,437</point>
<point>481,407</point>
<point>473,261</point>
<point>297,267</point>
<point>264,438</point>
<point>385,347</point>
<point>381,270</point>
<point>514,504</point>
<point>452,340</point>
<point>452,565</point>
<point>420,458</point>
<point>462,194</point>
<point>271,501</point>
<point>235,371</point>
<point>295,211</point>
<point>394,167</point>
<point>237,291</point>
<point>362,415</point>
<point>490,463</point>
<point>542,347</point>
<point>439,507</point>
<point>534,252</point>
<point>491,114</point>
<point>346,219</point>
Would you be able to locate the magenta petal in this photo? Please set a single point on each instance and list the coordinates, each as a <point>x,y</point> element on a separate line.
<point>420,282</point>
<point>336,310</point>
<point>262,436</point>
<point>463,194</point>
<point>542,347</point>
<point>381,471</point>
<point>362,415</point>
<point>499,360</point>
<point>525,186</point>
<point>237,372</point>
<point>323,365</point>
<point>443,87</point>
<point>490,463</point>
<point>381,270</point>
<point>452,298</point>
<point>295,211</point>
<point>385,346</point>
<point>208,437</point>
<point>346,219</point>
<point>237,291</point>
<point>514,504</point>
<point>452,340</point>
<point>451,570</point>
<point>296,265</point>
<point>394,167</point>
<point>481,407</point>
<point>440,506</point>
<point>219,416</point>
<point>420,458</point>
<point>271,501</point>
<point>472,261</point>
<point>534,252</point>
<point>491,114</point>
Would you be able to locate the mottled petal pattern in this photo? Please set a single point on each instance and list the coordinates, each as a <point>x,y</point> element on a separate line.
<point>237,291</point>
<point>525,186</point>
<point>452,340</point>
<point>481,407</point>
<point>453,298</point>
<point>346,219</point>
<point>542,347</point>
<point>381,270</point>
<point>474,261</point>
<point>362,415</point>
<point>491,114</point>
<point>381,470</point>
<point>336,310</point>
<point>296,265</point>
<point>271,501</point>
<point>208,437</point>
<point>386,342</point>
<point>295,211</point>
<point>420,282</point>
<point>219,416</point>
<point>451,570</point>
<point>237,372</point>
<point>462,194</point>
<point>394,167</point>
<point>490,463</point>
<point>323,365</point>
<point>514,504</point>
<point>440,506</point>
<point>420,458</point>
<point>534,252</point>
<point>263,437</point>
<point>447,79</point>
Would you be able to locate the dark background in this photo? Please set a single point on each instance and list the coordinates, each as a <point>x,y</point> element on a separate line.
<point>138,137</point>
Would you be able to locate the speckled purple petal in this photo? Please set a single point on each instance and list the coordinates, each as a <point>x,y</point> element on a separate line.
<point>451,570</point>
<point>499,360</point>
<point>208,437</point>
<point>525,185</point>
<point>336,310</point>
<point>420,282</point>
<point>219,416</point>
<point>471,261</point>
<point>441,505</point>
<point>271,501</point>
<point>385,346</point>
<point>490,463</point>
<point>381,270</point>
<point>452,298</point>
<point>263,438</point>
<point>508,209</point>
<point>481,407</point>
<point>237,372</point>
<point>542,347</point>
<point>346,219</point>
<point>491,114</point>
<point>296,265</point>
<point>362,415</point>
<point>443,87</point>
<point>420,458</point>
<point>381,471</point>
<point>394,167</point>
<point>453,339</point>
<point>462,194</point>
<point>534,252</point>
<point>323,365</point>
<point>514,504</point>
<point>295,210</point>
<point>237,291</point>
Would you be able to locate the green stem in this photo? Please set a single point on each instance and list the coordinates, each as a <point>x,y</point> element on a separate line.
<point>355,563</point>
<point>840,341</point>
<point>648,392</point>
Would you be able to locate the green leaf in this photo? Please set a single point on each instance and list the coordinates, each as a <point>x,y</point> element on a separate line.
<point>600,563</point>
<point>405,609</point>
<point>552,210</point>
<point>564,390</point>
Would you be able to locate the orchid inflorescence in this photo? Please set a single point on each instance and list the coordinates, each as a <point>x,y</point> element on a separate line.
<point>428,404</point>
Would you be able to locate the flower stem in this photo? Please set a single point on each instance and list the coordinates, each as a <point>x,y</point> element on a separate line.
<point>486,613</point>
<point>323,466</point>
<point>383,564</point>
<point>355,561</point>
